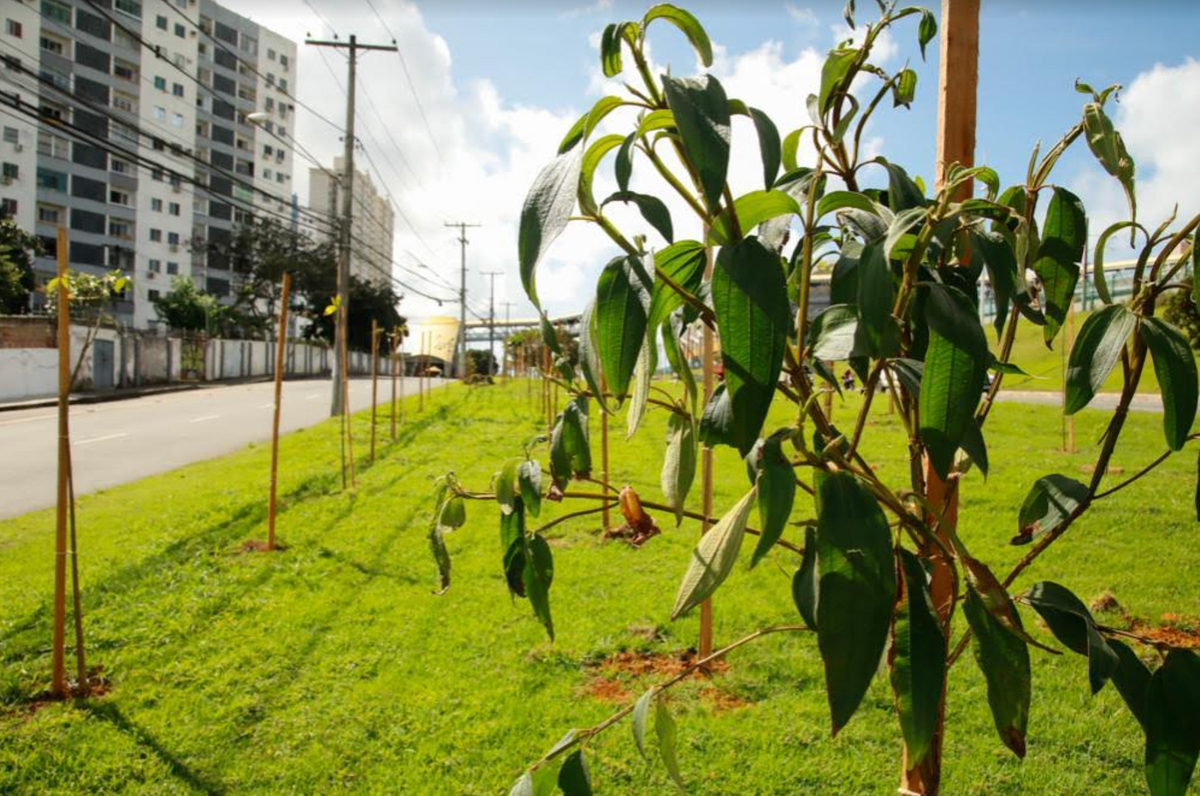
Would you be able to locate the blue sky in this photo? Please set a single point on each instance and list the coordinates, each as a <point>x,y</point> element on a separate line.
<point>501,81</point>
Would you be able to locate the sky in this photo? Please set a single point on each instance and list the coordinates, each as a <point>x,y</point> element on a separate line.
<point>495,85</point>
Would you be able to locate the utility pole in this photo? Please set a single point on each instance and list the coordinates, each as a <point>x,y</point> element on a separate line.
<point>492,319</point>
<point>508,305</point>
<point>337,404</point>
<point>462,297</point>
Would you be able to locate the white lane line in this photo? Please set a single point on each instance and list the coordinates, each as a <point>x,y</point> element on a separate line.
<point>314,397</point>
<point>26,420</point>
<point>202,418</point>
<point>102,439</point>
<point>267,406</point>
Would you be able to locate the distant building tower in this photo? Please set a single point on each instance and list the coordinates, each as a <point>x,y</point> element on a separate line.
<point>373,220</point>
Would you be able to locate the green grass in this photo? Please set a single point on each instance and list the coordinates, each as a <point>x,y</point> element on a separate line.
<point>332,668</point>
<point>1045,366</point>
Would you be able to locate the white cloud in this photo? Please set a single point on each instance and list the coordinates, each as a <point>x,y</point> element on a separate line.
<point>1157,116</point>
<point>804,16</point>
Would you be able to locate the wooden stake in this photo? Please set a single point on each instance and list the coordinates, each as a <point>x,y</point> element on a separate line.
<point>346,403</point>
<point>83,687</point>
<point>58,685</point>
<point>374,383</point>
<point>280,351</point>
<point>420,374</point>
<point>604,450</point>
<point>957,85</point>
<point>395,358</point>
<point>706,460</point>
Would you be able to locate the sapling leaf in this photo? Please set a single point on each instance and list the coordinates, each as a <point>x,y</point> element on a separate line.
<point>664,728</point>
<point>1004,659</point>
<point>806,581</point>
<point>770,469</point>
<point>679,465</point>
<point>529,478</point>
<point>1173,723</point>
<point>637,723</point>
<point>713,559</point>
<point>620,323</point>
<point>1064,236</point>
<point>717,423</point>
<point>1175,367</point>
<point>652,209</point>
<point>573,777</point>
<point>687,24</point>
<point>701,112</point>
<point>537,575</point>
<point>1095,353</point>
<point>683,264</point>
<point>1071,623</point>
<point>831,334</point>
<point>583,128</point>
<point>751,209</point>
<point>545,214</point>
<point>918,659</point>
<point>1050,501</point>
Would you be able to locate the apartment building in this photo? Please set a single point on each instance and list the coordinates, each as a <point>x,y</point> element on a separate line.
<point>373,221</point>
<point>129,122</point>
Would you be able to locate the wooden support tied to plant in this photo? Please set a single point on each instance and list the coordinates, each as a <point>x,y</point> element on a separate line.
<point>280,352</point>
<point>604,451</point>
<point>349,425</point>
<point>374,383</point>
<point>394,358</point>
<point>420,374</point>
<point>706,458</point>
<point>958,81</point>
<point>58,685</point>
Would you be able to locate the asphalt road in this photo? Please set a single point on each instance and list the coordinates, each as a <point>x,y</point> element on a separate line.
<point>121,441</point>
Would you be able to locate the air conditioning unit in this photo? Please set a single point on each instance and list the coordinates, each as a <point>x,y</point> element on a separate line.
<point>174,247</point>
<point>6,180</point>
<point>18,147</point>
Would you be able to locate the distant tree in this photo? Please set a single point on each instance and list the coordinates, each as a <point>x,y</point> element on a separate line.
<point>481,361</point>
<point>187,308</point>
<point>17,250</point>
<point>368,301</point>
<point>1180,310</point>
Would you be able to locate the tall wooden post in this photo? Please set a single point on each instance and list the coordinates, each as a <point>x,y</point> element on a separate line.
<point>957,83</point>
<point>346,403</point>
<point>604,449</point>
<point>394,359</point>
<point>706,460</point>
<point>420,374</point>
<point>374,383</point>
<point>58,685</point>
<point>280,351</point>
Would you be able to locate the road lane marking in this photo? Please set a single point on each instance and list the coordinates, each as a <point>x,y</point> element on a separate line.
<point>26,420</point>
<point>102,439</point>
<point>202,418</point>
<point>267,406</point>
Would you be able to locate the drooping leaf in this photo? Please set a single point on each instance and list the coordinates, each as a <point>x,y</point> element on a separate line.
<point>772,472</point>
<point>995,597</point>
<point>1095,353</point>
<point>679,466</point>
<point>506,485</point>
<point>1064,236</point>
<point>834,76</point>
<point>537,576</point>
<point>903,192</point>
<point>664,728</point>
<point>714,557</point>
<point>545,214</point>
<point>652,209</point>
<point>683,264</point>
<point>560,459</point>
<point>769,146</point>
<point>918,660</point>
<point>573,777</point>
<point>1004,660</point>
<point>751,209</point>
<point>589,360</point>
<point>671,333</point>
<point>1050,501</point>
<point>1173,723</point>
<point>529,477</point>
<point>905,88</point>
<point>856,593</point>
<point>877,333</point>
<point>749,295</point>
<point>575,436</point>
<point>1071,623</point>
<point>639,396</point>
<point>806,581</point>
<point>437,545</point>
<point>1098,277</point>
<point>641,710</point>
<point>540,782</point>
<point>701,112</point>
<point>610,46</point>
<point>1109,148</point>
<point>955,371</point>
<point>592,157</point>
<point>686,23</point>
<point>1175,367</point>
<point>926,30</point>
<point>1132,679</point>
<point>831,334</point>
<point>454,513</point>
<point>583,128</point>
<point>717,422</point>
<point>623,167</point>
<point>620,323</point>
<point>1001,266</point>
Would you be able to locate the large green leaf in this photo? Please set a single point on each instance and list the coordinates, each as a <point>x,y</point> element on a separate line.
<point>831,334</point>
<point>671,333</point>
<point>1050,501</point>
<point>545,215</point>
<point>1004,660</point>
<point>1109,148</point>
<point>1064,236</point>
<point>638,718</point>
<point>610,46</point>
<point>1098,261</point>
<point>877,332</point>
<point>1132,679</point>
<point>1001,265</point>
<point>537,577</point>
<point>664,728</point>
<point>1173,723</point>
<point>856,593</point>
<point>1071,623</point>
<point>575,436</point>
<point>679,466</point>
<point>749,295</point>
<point>529,477</point>
<point>918,660</point>
<point>1095,353</point>
<point>713,559</point>
<point>1175,367</point>
<point>589,360</point>
<point>573,777</point>
<point>592,157</point>
<point>717,425</point>
<point>687,23</point>
<point>701,112</point>
<point>806,582</point>
<point>955,371</point>
<point>769,146</point>
<point>752,209</point>
<point>683,263</point>
<point>583,128</point>
<point>834,75</point>
<point>506,485</point>
<point>620,322</point>
<point>772,471</point>
<point>652,209</point>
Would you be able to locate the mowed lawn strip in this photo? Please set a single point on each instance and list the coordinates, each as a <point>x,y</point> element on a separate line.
<point>331,667</point>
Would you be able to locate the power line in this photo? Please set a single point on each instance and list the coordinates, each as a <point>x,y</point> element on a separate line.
<point>408,77</point>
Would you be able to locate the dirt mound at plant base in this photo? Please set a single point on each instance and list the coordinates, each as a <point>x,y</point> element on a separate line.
<point>623,675</point>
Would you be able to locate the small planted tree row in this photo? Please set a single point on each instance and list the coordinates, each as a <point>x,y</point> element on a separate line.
<point>882,568</point>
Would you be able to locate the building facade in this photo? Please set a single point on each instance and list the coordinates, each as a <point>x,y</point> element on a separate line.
<point>127,121</point>
<point>373,220</point>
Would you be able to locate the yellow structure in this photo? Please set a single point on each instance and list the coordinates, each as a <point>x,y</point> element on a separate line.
<point>440,336</point>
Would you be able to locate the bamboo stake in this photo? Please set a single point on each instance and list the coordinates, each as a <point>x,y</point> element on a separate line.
<point>706,461</point>
<point>374,383</point>
<point>395,357</point>
<point>280,350</point>
<point>346,404</point>
<point>604,450</point>
<point>83,687</point>
<point>59,684</point>
<point>420,374</point>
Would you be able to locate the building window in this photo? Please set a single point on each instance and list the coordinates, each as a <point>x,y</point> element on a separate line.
<point>156,175</point>
<point>156,205</point>
<point>161,22</point>
<point>177,89</point>
<point>119,229</point>
<point>49,214</point>
<point>152,295</point>
<point>179,31</point>
<point>11,136</point>
<point>119,198</point>
<point>173,238</point>
<point>177,120</point>
<point>120,166</point>
<point>53,44</point>
<point>53,9</point>
<point>124,102</point>
<point>124,132</point>
<point>156,236</point>
<point>250,44</point>
<point>173,208</point>
<point>160,113</point>
<point>131,7</point>
<point>155,266</point>
<point>10,172</point>
<point>52,110</point>
<point>270,54</point>
<point>160,83</point>
<point>125,70</point>
<point>172,268</point>
<point>13,28</point>
<point>283,84</point>
<point>283,61</point>
<point>53,146</point>
<point>54,180</point>
<point>8,208</point>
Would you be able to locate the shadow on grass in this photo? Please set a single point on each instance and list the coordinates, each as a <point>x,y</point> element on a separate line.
<point>107,711</point>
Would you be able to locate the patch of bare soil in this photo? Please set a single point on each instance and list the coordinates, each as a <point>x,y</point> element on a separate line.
<point>259,546</point>
<point>97,686</point>
<point>611,678</point>
<point>1175,630</point>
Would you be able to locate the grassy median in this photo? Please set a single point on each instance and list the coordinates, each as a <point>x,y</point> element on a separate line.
<point>332,667</point>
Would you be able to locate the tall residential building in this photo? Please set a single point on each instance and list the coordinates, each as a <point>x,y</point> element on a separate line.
<point>126,121</point>
<point>373,220</point>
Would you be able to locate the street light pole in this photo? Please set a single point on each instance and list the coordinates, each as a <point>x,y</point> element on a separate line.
<point>462,298</point>
<point>492,319</point>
